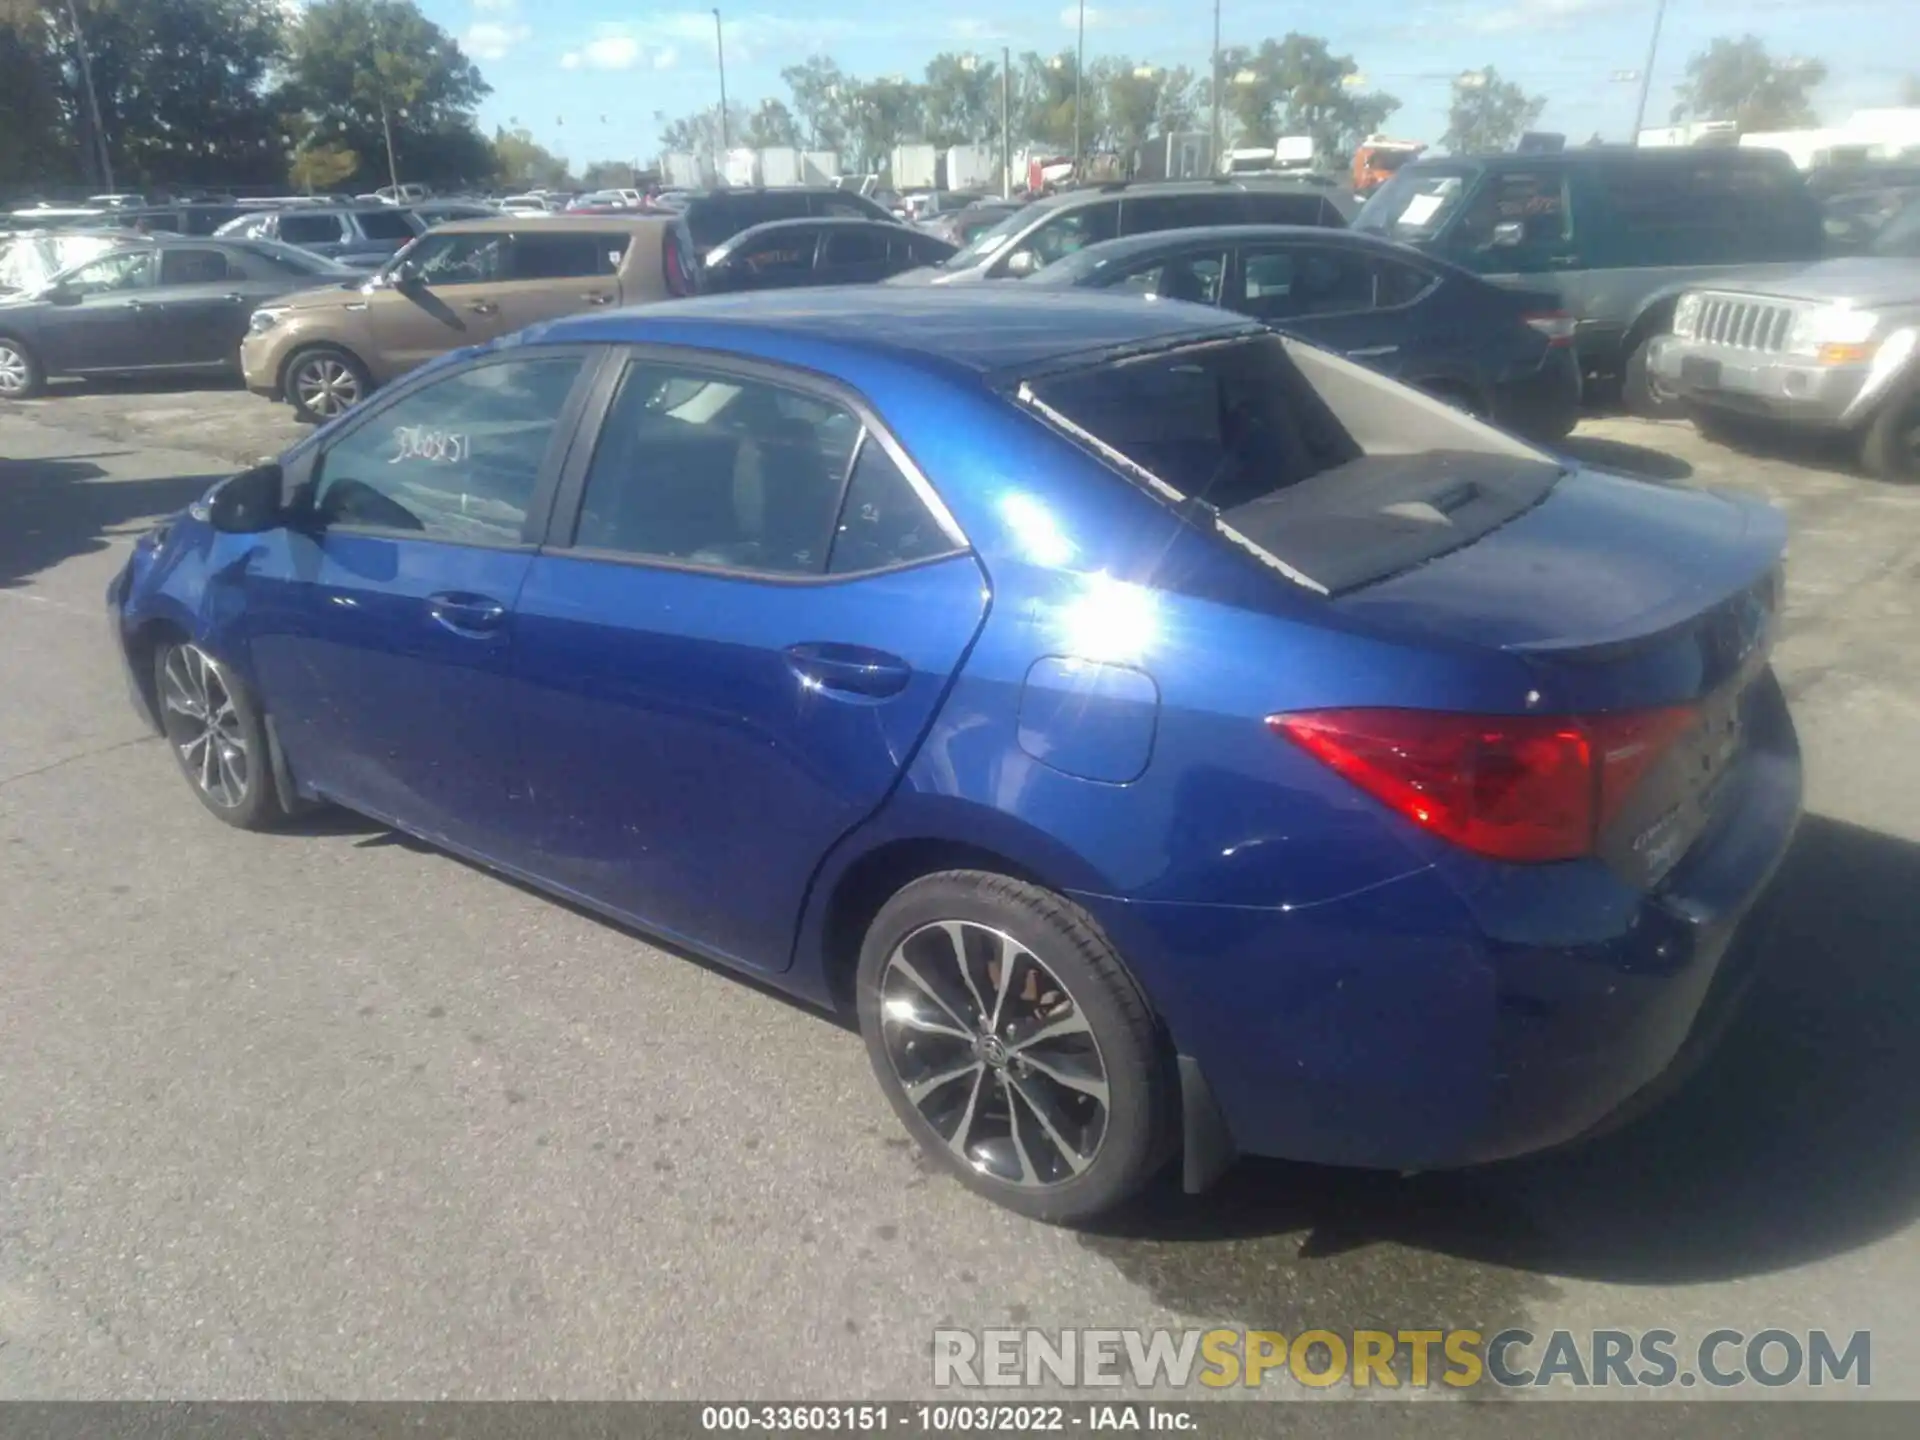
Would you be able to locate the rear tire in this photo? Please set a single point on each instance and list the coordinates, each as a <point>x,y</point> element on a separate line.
<point>20,375</point>
<point>1014,1046</point>
<point>1642,393</point>
<point>218,736</point>
<point>323,382</point>
<point>1890,449</point>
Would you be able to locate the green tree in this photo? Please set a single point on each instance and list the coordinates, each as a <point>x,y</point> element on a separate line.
<point>181,87</point>
<point>606,175</point>
<point>524,165</point>
<point>961,96</point>
<point>34,144</point>
<point>1738,80</point>
<point>819,89</point>
<point>369,71</point>
<point>699,133</point>
<point>1298,86</point>
<point>1133,101</point>
<point>321,167</point>
<point>881,114</point>
<point>770,124</point>
<point>1043,100</point>
<point>1488,113</point>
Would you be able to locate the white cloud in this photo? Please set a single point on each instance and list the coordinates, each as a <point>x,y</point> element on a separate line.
<point>968,29</point>
<point>1101,18</point>
<point>491,40</point>
<point>1540,14</point>
<point>666,58</point>
<point>611,52</point>
<point>570,60</point>
<point>672,37</point>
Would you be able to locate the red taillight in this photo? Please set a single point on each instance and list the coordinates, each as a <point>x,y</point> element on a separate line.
<point>679,282</point>
<point>1556,325</point>
<point>1526,788</point>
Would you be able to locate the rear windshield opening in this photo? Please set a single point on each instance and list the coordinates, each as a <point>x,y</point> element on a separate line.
<point>1337,473</point>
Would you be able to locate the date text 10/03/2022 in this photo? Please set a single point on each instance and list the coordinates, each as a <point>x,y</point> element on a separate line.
<point>946,1419</point>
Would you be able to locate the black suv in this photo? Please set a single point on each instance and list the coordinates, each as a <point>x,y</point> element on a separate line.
<point>1616,233</point>
<point>1033,237</point>
<point>716,216</point>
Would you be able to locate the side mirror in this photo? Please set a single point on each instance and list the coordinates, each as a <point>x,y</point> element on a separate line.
<point>1508,233</point>
<point>404,277</point>
<point>1021,264</point>
<point>248,503</point>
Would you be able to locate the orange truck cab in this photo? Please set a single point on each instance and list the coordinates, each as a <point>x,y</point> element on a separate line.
<point>1376,160</point>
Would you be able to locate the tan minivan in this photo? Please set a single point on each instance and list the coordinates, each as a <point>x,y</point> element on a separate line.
<point>465,283</point>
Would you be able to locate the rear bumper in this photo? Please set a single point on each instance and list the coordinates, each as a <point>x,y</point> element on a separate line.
<point>1414,1026</point>
<point>1543,404</point>
<point>1746,382</point>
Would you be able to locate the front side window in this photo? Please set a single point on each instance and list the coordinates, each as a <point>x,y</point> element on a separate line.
<point>699,469</point>
<point>787,252</point>
<point>457,460</point>
<point>854,246</point>
<point>1193,277</point>
<point>1071,231</point>
<point>1516,221</point>
<point>127,270</point>
<point>386,225</point>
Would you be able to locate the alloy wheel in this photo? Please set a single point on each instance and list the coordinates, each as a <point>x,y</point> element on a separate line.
<point>15,373</point>
<point>326,386</point>
<point>992,1050</point>
<point>204,727</point>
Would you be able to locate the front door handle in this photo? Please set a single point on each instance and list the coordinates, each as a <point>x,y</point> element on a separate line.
<point>849,670</point>
<point>465,613</point>
<point>1369,350</point>
<point>598,297</point>
<point>234,299</point>
<point>484,307</point>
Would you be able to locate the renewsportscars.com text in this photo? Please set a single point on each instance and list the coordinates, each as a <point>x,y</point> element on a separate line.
<point>1393,1359</point>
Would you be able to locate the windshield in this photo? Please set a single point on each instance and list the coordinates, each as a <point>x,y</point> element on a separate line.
<point>987,243</point>
<point>1414,204</point>
<point>28,262</point>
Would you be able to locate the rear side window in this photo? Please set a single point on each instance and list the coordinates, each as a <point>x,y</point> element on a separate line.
<point>702,469</point>
<point>549,255</point>
<point>883,521</point>
<point>1292,282</point>
<point>1687,212</point>
<point>385,225</point>
<point>854,246</point>
<point>1269,208</point>
<point>193,267</point>
<point>310,229</point>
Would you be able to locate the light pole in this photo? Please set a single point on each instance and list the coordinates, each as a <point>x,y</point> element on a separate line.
<point>1006,135</point>
<point>93,100</point>
<point>1646,74</point>
<point>1213,119</point>
<point>1079,64</point>
<point>720,53</point>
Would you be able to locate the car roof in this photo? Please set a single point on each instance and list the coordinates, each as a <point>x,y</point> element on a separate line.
<point>561,223</point>
<point>982,330</point>
<point>1154,240</point>
<point>718,192</point>
<point>1134,189</point>
<point>1604,154</point>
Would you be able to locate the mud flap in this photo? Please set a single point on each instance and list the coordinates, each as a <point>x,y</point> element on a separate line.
<point>1207,1149</point>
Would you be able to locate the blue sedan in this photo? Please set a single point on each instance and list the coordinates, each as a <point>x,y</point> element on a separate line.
<point>1170,739</point>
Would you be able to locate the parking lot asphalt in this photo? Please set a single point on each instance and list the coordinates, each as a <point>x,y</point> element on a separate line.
<point>325,1114</point>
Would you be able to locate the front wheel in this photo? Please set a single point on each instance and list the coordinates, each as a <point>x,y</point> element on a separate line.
<point>1642,391</point>
<point>1890,450</point>
<point>217,735</point>
<point>325,382</point>
<point>1013,1044</point>
<point>20,374</point>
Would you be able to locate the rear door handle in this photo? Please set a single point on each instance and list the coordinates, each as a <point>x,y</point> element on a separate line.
<point>598,297</point>
<point>234,299</point>
<point>849,669</point>
<point>465,613</point>
<point>484,307</point>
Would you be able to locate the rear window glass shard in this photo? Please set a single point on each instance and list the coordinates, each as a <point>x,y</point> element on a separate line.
<point>1238,434</point>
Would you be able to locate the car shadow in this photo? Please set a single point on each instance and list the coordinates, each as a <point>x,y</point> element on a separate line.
<point>51,510</point>
<point>1798,1139</point>
<point>175,384</point>
<point>1625,459</point>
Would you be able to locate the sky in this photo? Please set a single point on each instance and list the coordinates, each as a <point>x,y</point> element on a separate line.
<point>586,77</point>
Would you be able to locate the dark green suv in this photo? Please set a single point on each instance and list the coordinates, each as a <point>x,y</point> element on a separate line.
<point>1617,233</point>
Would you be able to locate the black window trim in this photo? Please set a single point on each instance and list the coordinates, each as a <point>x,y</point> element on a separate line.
<point>564,517</point>
<point>1372,259</point>
<point>310,468</point>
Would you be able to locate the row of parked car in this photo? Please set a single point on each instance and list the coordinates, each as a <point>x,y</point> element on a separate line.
<point>1502,284</point>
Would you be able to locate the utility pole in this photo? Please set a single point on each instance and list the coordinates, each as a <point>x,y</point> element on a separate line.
<point>386,129</point>
<point>1646,74</point>
<point>93,100</point>
<point>720,52</point>
<point>1213,119</point>
<point>1079,64</point>
<point>1006,134</point>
